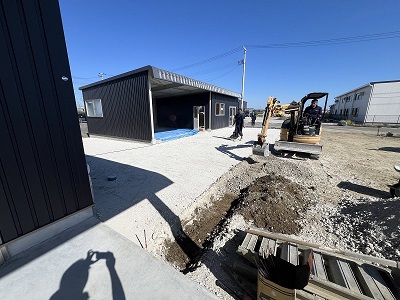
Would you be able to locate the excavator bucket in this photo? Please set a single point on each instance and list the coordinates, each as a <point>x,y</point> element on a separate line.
<point>261,147</point>
<point>261,150</point>
<point>314,149</point>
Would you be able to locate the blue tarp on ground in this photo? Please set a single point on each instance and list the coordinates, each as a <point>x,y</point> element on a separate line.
<point>174,134</point>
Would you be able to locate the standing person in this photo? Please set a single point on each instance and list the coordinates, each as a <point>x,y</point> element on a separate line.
<point>314,112</point>
<point>253,119</point>
<point>239,123</point>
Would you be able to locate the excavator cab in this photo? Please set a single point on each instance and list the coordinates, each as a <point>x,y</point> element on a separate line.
<point>302,133</point>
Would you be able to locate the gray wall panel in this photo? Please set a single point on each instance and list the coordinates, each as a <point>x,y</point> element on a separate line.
<point>221,121</point>
<point>126,108</point>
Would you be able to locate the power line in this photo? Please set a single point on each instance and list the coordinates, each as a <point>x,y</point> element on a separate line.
<point>222,55</point>
<point>215,78</point>
<point>346,40</point>
<point>84,78</point>
<point>212,70</point>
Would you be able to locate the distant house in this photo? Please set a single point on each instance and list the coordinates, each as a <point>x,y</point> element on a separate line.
<point>375,102</point>
<point>136,104</point>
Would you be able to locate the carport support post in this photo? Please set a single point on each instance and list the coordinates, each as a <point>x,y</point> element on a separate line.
<point>153,141</point>
<point>209,115</point>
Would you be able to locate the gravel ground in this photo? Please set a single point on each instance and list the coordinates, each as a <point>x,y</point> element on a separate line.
<point>349,206</point>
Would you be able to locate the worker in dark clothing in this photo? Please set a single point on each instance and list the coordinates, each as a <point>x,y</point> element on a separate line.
<point>253,119</point>
<point>313,113</point>
<point>239,123</point>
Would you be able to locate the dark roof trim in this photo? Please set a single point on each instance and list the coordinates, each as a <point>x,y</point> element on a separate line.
<point>170,77</point>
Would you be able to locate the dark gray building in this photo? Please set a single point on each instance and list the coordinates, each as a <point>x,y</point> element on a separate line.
<point>136,104</point>
<point>44,184</point>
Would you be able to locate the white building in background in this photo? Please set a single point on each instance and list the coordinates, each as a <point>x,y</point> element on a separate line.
<point>375,102</point>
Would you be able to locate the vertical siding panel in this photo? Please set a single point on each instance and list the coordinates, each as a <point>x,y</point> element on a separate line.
<point>46,115</point>
<point>25,162</point>
<point>221,121</point>
<point>42,164</point>
<point>8,230</point>
<point>65,98</point>
<point>126,110</point>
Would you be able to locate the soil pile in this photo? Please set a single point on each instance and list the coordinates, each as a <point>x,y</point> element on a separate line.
<point>272,202</point>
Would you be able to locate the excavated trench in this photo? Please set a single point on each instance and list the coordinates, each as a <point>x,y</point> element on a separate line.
<point>272,202</point>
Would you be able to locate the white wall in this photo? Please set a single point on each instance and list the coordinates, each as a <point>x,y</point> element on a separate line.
<point>384,106</point>
<point>356,99</point>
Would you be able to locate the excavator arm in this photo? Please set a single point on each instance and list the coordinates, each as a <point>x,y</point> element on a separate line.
<point>260,145</point>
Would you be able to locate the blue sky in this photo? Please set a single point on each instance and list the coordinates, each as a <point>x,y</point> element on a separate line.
<point>114,37</point>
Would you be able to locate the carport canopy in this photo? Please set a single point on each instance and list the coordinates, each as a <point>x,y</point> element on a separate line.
<point>167,84</point>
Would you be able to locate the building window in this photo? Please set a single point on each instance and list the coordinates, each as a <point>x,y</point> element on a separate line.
<point>355,112</point>
<point>94,108</point>
<point>358,96</point>
<point>219,109</point>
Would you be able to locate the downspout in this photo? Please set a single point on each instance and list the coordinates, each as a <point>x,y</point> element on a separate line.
<point>369,102</point>
<point>210,111</point>
<point>153,141</point>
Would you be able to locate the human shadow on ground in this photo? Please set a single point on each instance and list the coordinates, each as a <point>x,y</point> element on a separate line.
<point>227,149</point>
<point>37,251</point>
<point>361,189</point>
<point>222,137</point>
<point>133,185</point>
<point>76,276</point>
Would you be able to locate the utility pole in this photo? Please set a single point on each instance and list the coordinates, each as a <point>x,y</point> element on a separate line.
<point>243,74</point>
<point>101,75</point>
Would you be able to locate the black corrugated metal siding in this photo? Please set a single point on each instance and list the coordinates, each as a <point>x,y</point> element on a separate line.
<point>43,174</point>
<point>126,108</point>
<point>221,121</point>
<point>182,108</point>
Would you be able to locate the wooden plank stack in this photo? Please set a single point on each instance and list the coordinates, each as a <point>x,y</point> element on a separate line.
<point>335,274</point>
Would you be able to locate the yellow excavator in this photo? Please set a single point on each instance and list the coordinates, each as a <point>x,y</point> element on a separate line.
<point>299,134</point>
<point>261,147</point>
<point>280,109</point>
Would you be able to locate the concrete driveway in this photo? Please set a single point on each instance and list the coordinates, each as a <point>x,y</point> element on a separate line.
<point>156,186</point>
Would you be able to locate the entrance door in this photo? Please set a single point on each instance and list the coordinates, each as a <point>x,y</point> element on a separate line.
<point>232,113</point>
<point>199,117</point>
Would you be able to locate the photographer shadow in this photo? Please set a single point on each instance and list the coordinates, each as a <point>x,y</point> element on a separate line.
<point>76,276</point>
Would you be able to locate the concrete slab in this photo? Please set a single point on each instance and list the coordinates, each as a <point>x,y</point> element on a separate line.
<point>155,189</point>
<point>63,268</point>
<point>157,185</point>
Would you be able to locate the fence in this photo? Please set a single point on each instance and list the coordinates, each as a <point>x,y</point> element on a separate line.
<point>369,119</point>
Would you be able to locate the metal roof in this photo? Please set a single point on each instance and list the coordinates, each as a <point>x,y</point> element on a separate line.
<point>168,84</point>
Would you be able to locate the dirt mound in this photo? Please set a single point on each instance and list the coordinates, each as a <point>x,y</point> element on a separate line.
<point>271,202</point>
<point>274,203</point>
